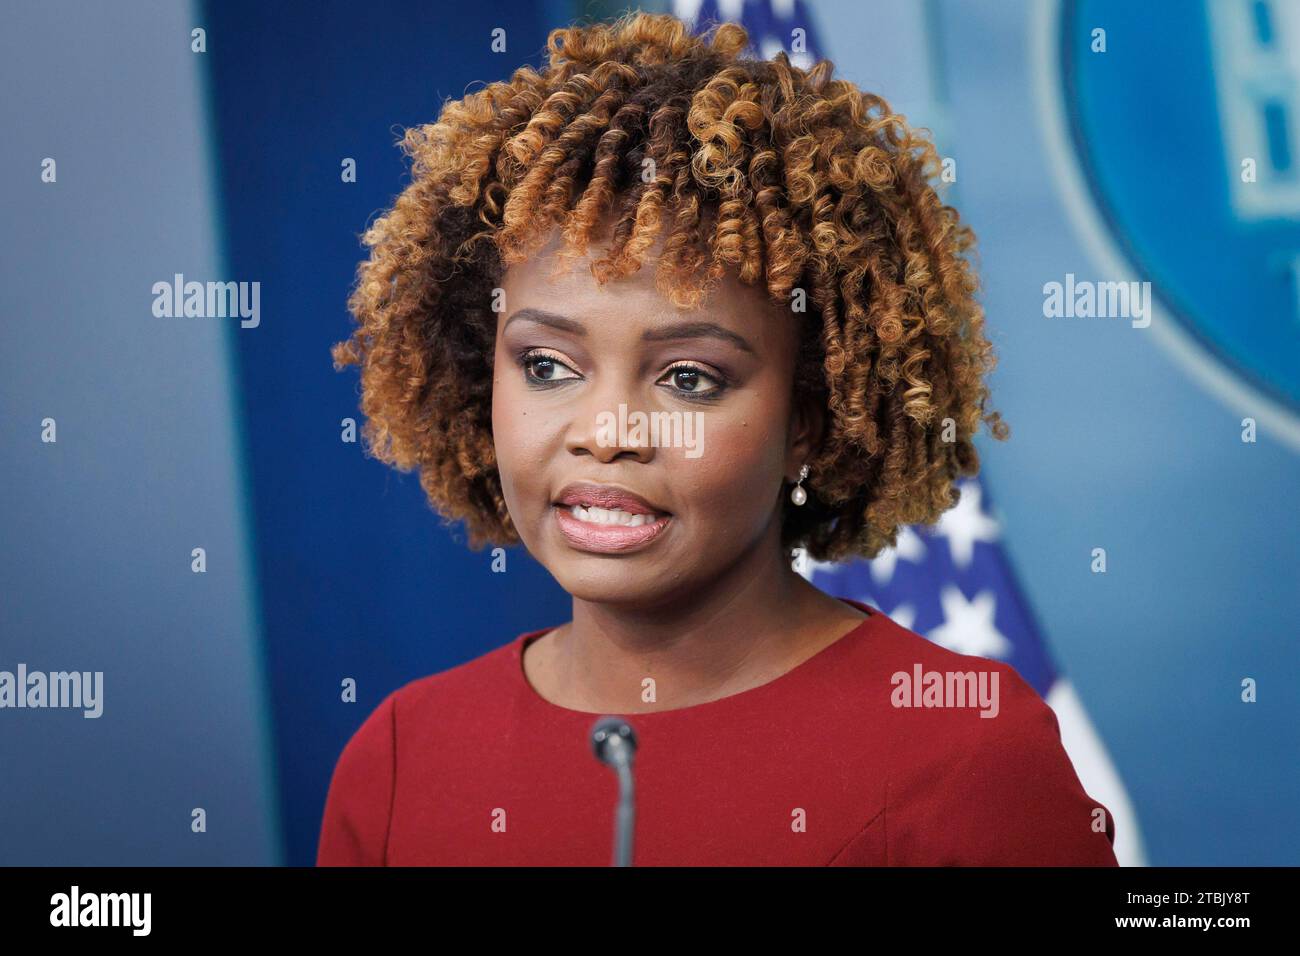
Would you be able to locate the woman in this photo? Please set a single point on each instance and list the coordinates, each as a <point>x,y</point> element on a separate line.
<point>778,347</point>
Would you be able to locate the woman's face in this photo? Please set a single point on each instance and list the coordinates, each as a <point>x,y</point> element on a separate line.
<point>579,367</point>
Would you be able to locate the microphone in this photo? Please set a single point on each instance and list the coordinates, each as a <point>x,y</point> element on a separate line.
<point>614,744</point>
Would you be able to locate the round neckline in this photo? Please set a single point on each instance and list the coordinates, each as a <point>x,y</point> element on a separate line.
<point>821,659</point>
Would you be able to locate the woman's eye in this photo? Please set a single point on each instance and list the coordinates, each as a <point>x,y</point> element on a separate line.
<point>687,380</point>
<point>547,368</point>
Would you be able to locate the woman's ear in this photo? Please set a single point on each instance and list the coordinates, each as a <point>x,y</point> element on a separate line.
<point>807,431</point>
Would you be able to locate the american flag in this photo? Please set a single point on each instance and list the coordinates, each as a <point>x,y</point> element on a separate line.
<point>952,583</point>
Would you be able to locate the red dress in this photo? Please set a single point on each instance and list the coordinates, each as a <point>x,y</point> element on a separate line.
<point>821,766</point>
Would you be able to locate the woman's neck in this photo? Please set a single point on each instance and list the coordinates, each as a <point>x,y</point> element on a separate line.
<point>742,631</point>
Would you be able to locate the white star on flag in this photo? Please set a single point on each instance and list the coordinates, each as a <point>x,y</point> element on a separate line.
<point>968,626</point>
<point>903,615</point>
<point>965,524</point>
<point>909,546</point>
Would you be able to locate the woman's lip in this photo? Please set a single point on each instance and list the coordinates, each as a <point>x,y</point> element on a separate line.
<point>607,538</point>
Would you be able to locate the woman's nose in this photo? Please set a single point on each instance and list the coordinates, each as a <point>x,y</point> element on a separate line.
<point>605,423</point>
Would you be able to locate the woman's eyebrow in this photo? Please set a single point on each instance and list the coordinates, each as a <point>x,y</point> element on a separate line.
<point>542,317</point>
<point>676,331</point>
<point>696,330</point>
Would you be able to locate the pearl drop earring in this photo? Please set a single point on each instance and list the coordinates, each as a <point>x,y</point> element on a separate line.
<point>797,494</point>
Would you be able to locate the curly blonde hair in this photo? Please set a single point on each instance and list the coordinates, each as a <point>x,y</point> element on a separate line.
<point>786,175</point>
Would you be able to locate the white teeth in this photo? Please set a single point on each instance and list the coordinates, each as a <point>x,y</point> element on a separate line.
<point>595,515</point>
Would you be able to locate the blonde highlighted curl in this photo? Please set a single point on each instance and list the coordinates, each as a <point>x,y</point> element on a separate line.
<point>785,175</point>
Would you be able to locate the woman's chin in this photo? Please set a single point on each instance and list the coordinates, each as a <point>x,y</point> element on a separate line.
<point>593,581</point>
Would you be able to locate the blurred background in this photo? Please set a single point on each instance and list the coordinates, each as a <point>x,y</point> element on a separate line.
<point>1089,142</point>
